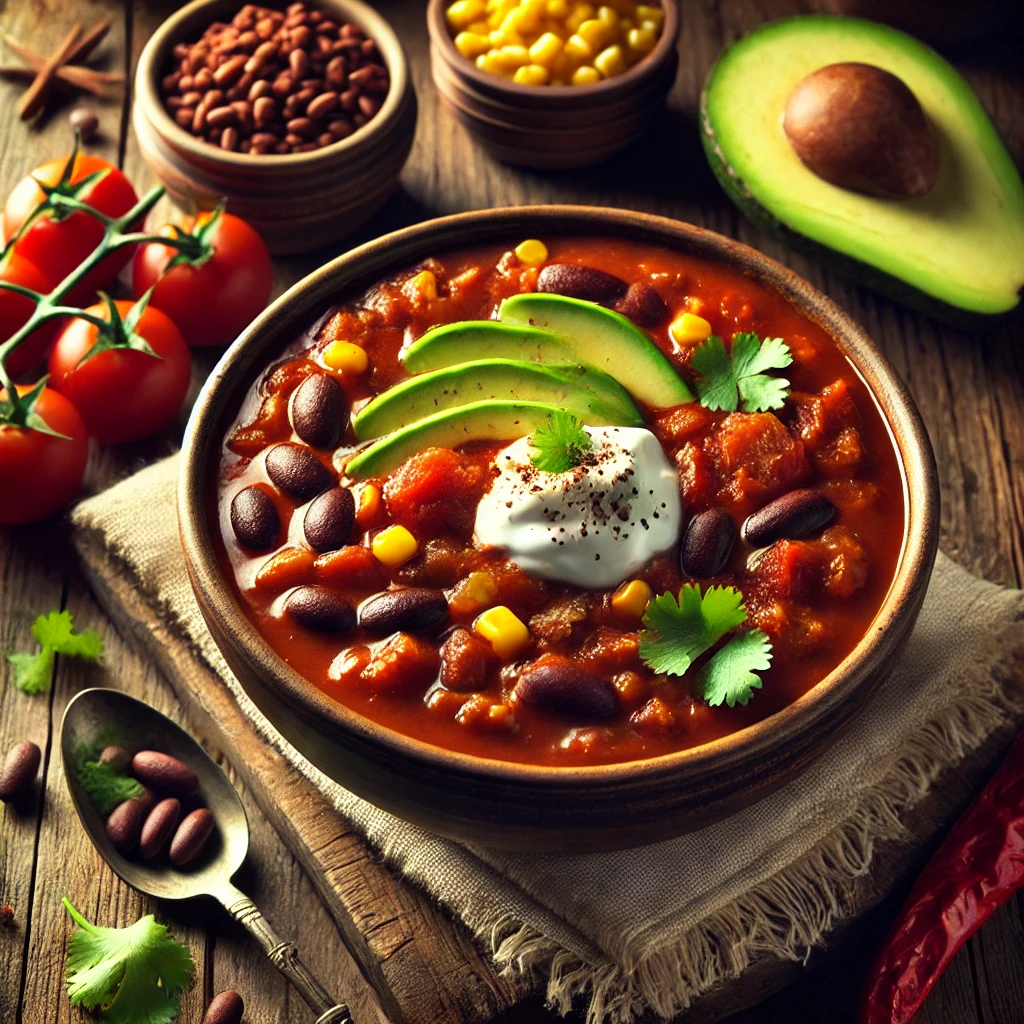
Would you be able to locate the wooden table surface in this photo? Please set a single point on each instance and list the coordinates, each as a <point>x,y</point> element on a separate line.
<point>969,386</point>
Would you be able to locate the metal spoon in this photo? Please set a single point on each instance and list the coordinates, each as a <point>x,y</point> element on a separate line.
<point>100,713</point>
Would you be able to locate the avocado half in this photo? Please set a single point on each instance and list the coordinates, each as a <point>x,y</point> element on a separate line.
<point>957,252</point>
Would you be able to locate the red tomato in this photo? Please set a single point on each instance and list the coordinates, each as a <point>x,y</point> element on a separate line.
<point>57,247</point>
<point>123,394</point>
<point>40,473</point>
<point>211,303</point>
<point>16,309</point>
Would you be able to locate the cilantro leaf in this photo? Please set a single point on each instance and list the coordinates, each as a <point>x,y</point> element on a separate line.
<point>105,787</point>
<point>729,675</point>
<point>131,974</point>
<point>560,444</point>
<point>56,635</point>
<point>728,380</point>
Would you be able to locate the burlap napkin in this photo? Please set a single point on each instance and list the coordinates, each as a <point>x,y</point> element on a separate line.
<point>645,928</point>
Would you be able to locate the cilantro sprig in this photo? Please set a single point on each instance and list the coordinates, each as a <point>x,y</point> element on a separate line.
<point>560,444</point>
<point>730,379</point>
<point>132,975</point>
<point>56,635</point>
<point>104,786</point>
<point>677,631</point>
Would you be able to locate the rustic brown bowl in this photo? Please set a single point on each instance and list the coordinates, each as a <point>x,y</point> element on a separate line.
<point>297,202</point>
<point>524,806</point>
<point>552,127</point>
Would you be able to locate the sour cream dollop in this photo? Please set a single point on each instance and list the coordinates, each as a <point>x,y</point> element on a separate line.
<point>593,526</point>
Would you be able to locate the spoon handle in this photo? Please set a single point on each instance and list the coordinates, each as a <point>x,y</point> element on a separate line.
<point>285,957</point>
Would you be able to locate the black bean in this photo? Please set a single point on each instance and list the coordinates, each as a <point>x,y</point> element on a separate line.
<point>403,610</point>
<point>320,610</point>
<point>329,520</point>
<point>254,519</point>
<point>558,685</point>
<point>581,283</point>
<point>707,543</point>
<point>294,469</point>
<point>642,304</point>
<point>319,411</point>
<point>797,514</point>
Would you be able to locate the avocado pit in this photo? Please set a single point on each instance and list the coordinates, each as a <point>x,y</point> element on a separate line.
<point>861,128</point>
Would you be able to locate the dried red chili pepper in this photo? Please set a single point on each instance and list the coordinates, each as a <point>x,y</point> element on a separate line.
<point>978,867</point>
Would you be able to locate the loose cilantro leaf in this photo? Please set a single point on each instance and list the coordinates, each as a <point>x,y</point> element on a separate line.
<point>56,635</point>
<point>560,444</point>
<point>729,379</point>
<point>132,975</point>
<point>105,787</point>
<point>729,676</point>
<point>677,632</point>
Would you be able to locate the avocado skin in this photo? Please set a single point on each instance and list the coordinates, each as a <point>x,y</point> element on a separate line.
<point>869,276</point>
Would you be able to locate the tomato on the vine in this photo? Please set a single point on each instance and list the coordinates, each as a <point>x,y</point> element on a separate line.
<point>57,246</point>
<point>40,470</point>
<point>16,309</point>
<point>123,392</point>
<point>213,297</point>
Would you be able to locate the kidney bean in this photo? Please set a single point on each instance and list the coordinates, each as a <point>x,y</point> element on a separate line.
<point>323,105</point>
<point>18,776</point>
<point>254,519</point>
<point>557,685</point>
<point>226,1008</point>
<point>329,519</point>
<point>259,90</point>
<point>115,758</point>
<point>579,282</point>
<point>320,610</point>
<point>191,836</point>
<point>298,61</point>
<point>340,129</point>
<point>642,304</point>
<point>794,515</point>
<point>368,106</point>
<point>296,471</point>
<point>222,117</point>
<point>319,411</point>
<point>302,126</point>
<point>264,110</point>
<point>707,543</point>
<point>184,117</point>
<point>403,610</point>
<point>161,771</point>
<point>158,827</point>
<point>124,826</point>
<point>230,71</point>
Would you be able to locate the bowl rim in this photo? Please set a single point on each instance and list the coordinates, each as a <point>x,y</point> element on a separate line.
<point>367,263</point>
<point>441,38</point>
<point>155,54</point>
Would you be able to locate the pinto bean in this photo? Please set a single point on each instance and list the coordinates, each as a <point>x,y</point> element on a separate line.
<point>254,519</point>
<point>296,471</point>
<point>557,685</point>
<point>319,411</point>
<point>18,776</point>
<point>578,282</point>
<point>124,825</point>
<point>158,827</point>
<point>320,610</point>
<point>226,1008</point>
<point>707,543</point>
<point>404,610</point>
<point>163,772</point>
<point>794,515</point>
<point>191,837</point>
<point>329,520</point>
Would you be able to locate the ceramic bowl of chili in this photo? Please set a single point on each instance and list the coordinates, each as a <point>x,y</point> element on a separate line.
<point>623,783</point>
<point>297,201</point>
<point>553,127</point>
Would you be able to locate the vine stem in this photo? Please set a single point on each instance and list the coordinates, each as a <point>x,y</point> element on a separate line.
<point>116,235</point>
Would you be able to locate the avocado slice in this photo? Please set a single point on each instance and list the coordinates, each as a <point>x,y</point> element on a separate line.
<point>604,339</point>
<point>479,421</point>
<point>483,339</point>
<point>959,249</point>
<point>584,391</point>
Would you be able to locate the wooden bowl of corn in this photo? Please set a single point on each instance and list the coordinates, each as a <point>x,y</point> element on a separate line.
<point>554,83</point>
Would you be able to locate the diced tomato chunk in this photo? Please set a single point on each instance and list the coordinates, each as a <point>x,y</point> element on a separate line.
<point>467,661</point>
<point>819,419</point>
<point>403,664</point>
<point>697,479</point>
<point>842,456</point>
<point>350,568</point>
<point>674,427</point>
<point>790,569</point>
<point>758,456</point>
<point>436,491</point>
<point>655,718</point>
<point>847,568</point>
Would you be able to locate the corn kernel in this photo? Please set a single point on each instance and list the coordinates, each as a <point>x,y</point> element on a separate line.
<point>461,13</point>
<point>367,505</point>
<point>501,38</point>
<point>611,62</point>
<point>507,634</point>
<point>558,9</point>
<point>546,50</point>
<point>594,32</point>
<point>586,75</point>
<point>532,252</point>
<point>578,49</point>
<point>489,62</point>
<point>642,40</point>
<point>471,45</point>
<point>344,356</point>
<point>687,329</point>
<point>653,14</point>
<point>423,286</point>
<point>632,598</point>
<point>512,57</point>
<point>579,14</point>
<point>531,74</point>
<point>609,17</point>
<point>394,545</point>
<point>479,28</point>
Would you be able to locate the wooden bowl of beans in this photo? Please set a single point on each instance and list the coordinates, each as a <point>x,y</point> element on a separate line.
<point>301,117</point>
<point>554,83</point>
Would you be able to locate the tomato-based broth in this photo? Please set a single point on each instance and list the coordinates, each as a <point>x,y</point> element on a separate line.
<point>421,563</point>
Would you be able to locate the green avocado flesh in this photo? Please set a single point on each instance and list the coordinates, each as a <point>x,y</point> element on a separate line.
<point>599,337</point>
<point>961,245</point>
<point>585,392</point>
<point>479,421</point>
<point>483,339</point>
